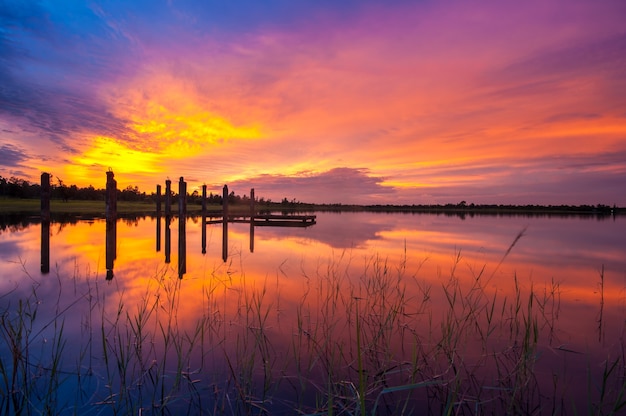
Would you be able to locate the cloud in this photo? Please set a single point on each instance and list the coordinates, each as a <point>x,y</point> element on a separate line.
<point>53,69</point>
<point>565,71</point>
<point>59,114</point>
<point>551,180</point>
<point>11,156</point>
<point>339,185</point>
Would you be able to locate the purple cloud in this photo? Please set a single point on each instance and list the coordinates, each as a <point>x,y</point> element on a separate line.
<point>340,185</point>
<point>11,156</point>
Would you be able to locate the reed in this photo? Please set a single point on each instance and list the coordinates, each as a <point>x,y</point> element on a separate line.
<point>376,343</point>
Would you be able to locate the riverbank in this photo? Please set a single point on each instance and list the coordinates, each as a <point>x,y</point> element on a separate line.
<point>97,208</point>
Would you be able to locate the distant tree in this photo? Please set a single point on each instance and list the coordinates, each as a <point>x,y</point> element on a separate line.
<point>131,193</point>
<point>233,199</point>
<point>61,191</point>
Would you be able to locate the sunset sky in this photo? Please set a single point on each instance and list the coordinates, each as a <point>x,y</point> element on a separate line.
<point>348,101</point>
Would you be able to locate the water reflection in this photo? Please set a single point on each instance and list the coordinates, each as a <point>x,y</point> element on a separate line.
<point>45,247</point>
<point>303,289</point>
<point>225,238</point>
<point>168,239</point>
<point>267,221</point>
<point>182,246</point>
<point>158,228</point>
<point>252,235</point>
<point>111,247</point>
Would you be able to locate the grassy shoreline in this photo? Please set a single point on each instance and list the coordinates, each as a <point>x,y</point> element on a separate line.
<point>33,207</point>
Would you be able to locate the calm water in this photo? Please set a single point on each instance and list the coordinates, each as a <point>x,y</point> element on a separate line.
<point>407,312</point>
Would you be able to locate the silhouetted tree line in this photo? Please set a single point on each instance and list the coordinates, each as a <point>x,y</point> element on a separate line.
<point>20,188</point>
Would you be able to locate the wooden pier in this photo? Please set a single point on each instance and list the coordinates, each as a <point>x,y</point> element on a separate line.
<point>276,220</point>
<point>252,217</point>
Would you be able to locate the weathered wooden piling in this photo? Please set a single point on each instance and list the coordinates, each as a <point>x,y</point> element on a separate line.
<point>111,197</point>
<point>225,223</point>
<point>182,196</point>
<point>203,219</point>
<point>168,197</point>
<point>252,205</point>
<point>158,200</point>
<point>45,197</point>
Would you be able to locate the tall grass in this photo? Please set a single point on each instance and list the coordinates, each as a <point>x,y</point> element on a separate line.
<point>383,342</point>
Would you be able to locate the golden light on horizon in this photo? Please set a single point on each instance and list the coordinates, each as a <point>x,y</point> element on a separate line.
<point>107,153</point>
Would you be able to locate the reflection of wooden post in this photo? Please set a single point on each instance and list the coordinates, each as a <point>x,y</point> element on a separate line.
<point>203,219</point>
<point>251,237</point>
<point>111,249</point>
<point>158,201</point>
<point>225,223</point>
<point>168,219</point>
<point>158,231</point>
<point>45,197</point>
<point>158,218</point>
<point>168,239</point>
<point>168,197</point>
<point>182,220</point>
<point>45,247</point>
<point>182,247</point>
<point>111,197</point>
<point>45,223</point>
<point>252,213</point>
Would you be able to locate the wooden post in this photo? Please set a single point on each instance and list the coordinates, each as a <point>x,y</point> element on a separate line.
<point>252,205</point>
<point>111,197</point>
<point>182,197</point>
<point>158,201</point>
<point>225,223</point>
<point>168,197</point>
<point>45,197</point>
<point>203,219</point>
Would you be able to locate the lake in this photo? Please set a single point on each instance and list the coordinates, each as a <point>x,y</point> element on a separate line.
<point>360,313</point>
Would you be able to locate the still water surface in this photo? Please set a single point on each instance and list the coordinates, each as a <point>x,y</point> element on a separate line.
<point>383,311</point>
